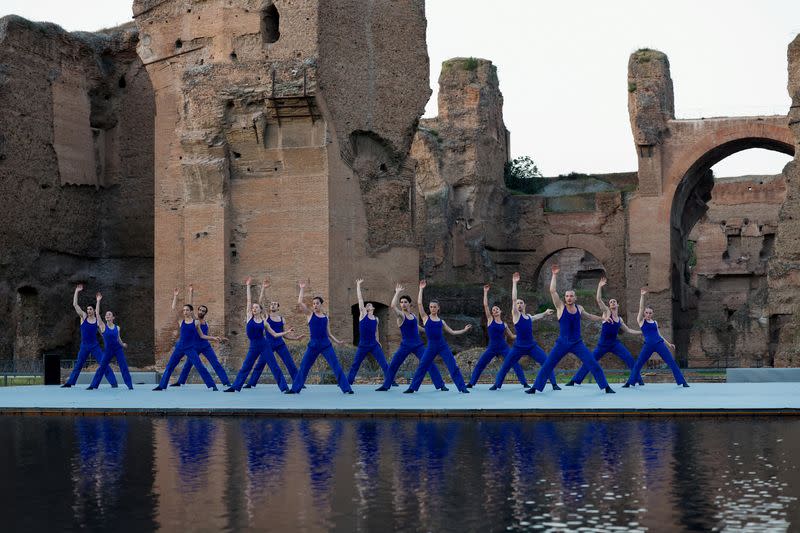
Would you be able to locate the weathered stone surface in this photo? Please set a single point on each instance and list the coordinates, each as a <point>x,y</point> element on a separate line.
<point>76,182</point>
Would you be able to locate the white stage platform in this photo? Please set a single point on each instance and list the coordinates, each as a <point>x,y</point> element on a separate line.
<point>327,400</point>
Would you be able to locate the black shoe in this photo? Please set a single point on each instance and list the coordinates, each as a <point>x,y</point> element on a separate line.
<point>290,391</point>
<point>408,391</point>
<point>494,387</point>
<point>230,389</point>
<point>686,385</point>
<point>176,384</point>
<point>464,391</point>
<point>530,391</point>
<point>382,388</point>
<point>570,383</point>
<point>227,384</point>
<point>556,387</point>
<point>349,391</point>
<point>248,386</point>
<point>91,388</point>
<point>130,388</point>
<point>626,386</point>
<point>159,387</point>
<point>395,384</point>
<point>609,390</point>
<point>470,385</point>
<point>444,388</point>
<point>114,386</point>
<point>527,386</point>
<point>214,388</point>
<point>641,384</point>
<point>66,386</point>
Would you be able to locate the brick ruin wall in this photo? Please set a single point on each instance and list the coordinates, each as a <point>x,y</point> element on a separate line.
<point>76,179</point>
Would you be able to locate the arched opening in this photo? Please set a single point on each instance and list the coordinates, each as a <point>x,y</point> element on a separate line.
<point>580,271</point>
<point>723,222</point>
<point>270,24</point>
<point>382,312</point>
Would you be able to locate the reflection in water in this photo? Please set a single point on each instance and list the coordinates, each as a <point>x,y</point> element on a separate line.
<point>400,474</point>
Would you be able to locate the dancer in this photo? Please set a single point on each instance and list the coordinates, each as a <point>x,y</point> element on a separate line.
<point>569,339</point>
<point>497,347</point>
<point>190,335</point>
<point>434,327</point>
<point>410,342</point>
<point>112,339</point>
<point>319,343</point>
<point>89,342</point>
<point>653,342</point>
<point>524,343</point>
<point>275,322</point>
<point>259,345</point>
<point>608,342</point>
<point>203,347</point>
<point>368,341</point>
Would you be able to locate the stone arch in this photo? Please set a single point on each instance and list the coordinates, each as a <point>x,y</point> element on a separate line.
<point>691,186</point>
<point>270,24</point>
<point>581,269</point>
<point>382,312</point>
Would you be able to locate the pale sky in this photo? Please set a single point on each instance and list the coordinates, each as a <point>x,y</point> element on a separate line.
<point>563,65</point>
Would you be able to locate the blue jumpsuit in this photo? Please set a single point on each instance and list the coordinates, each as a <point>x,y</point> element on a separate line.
<point>436,346</point>
<point>279,347</point>
<point>367,343</point>
<point>497,348</point>
<point>319,344</point>
<point>523,345</point>
<point>89,345</point>
<point>410,342</point>
<point>569,341</point>
<point>204,348</point>
<point>608,344</point>
<point>113,349</point>
<point>654,342</point>
<point>259,347</point>
<point>187,345</point>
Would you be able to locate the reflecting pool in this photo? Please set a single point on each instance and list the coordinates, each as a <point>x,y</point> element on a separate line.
<point>235,474</point>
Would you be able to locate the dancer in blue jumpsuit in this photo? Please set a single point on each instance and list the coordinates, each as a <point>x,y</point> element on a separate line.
<point>653,342</point>
<point>368,341</point>
<point>410,342</point>
<point>276,323</point>
<point>189,337</point>
<point>319,343</point>
<point>203,348</point>
<point>523,343</point>
<point>260,345</point>
<point>608,343</point>
<point>569,339</point>
<point>112,339</point>
<point>434,330</point>
<point>89,342</point>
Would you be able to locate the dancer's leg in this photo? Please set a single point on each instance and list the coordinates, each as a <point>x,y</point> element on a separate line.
<point>83,353</point>
<point>636,372</point>
<point>283,352</point>
<point>485,358</point>
<point>184,375</point>
<point>211,357</point>
<point>306,363</point>
<point>101,370</point>
<point>666,355</point>
<point>205,375</point>
<point>433,370</point>
<point>330,355</point>
<point>424,364</point>
<point>398,358</point>
<point>123,367</point>
<point>252,354</point>
<point>588,359</point>
<point>598,353</point>
<point>174,359</point>
<point>538,355</point>
<point>269,358</point>
<point>622,352</point>
<point>512,357</point>
<point>452,367</point>
<point>361,353</point>
<point>97,353</point>
<point>556,354</point>
<point>255,375</point>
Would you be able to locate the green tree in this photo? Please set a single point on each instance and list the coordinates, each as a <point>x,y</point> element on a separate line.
<point>522,175</point>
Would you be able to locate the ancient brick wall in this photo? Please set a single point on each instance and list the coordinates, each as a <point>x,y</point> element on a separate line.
<point>76,162</point>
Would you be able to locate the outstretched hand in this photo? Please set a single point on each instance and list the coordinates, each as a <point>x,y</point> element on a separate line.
<point>249,280</point>
<point>98,296</point>
<point>468,327</point>
<point>423,284</point>
<point>515,277</point>
<point>302,284</point>
<point>486,288</point>
<point>175,291</point>
<point>359,281</point>
<point>548,312</point>
<point>399,288</point>
<point>555,269</point>
<point>644,291</point>
<point>79,287</point>
<point>266,283</point>
<point>603,281</point>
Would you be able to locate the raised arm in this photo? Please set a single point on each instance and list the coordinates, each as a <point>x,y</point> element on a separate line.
<point>247,282</point>
<point>396,301</point>
<point>175,292</point>
<point>600,303</point>
<point>101,325</point>
<point>559,305</point>
<point>190,290</point>
<point>422,315</point>
<point>81,312</point>
<point>626,329</point>
<point>451,331</point>
<point>486,310</point>
<point>514,312</point>
<point>591,316</point>
<point>300,303</point>
<point>538,316</point>
<point>361,310</point>
<point>284,333</point>
<point>640,316</point>
<point>264,286</point>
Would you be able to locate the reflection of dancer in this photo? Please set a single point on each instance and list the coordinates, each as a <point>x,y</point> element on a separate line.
<point>524,343</point>
<point>368,341</point>
<point>434,330</point>
<point>321,438</point>
<point>256,329</point>
<point>190,335</point>
<point>608,342</point>
<point>276,323</point>
<point>192,439</point>
<point>265,442</point>
<point>203,348</point>
<point>410,342</point>
<point>653,342</point>
<point>319,343</point>
<point>98,468</point>
<point>569,338</point>
<point>114,349</point>
<point>89,343</point>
